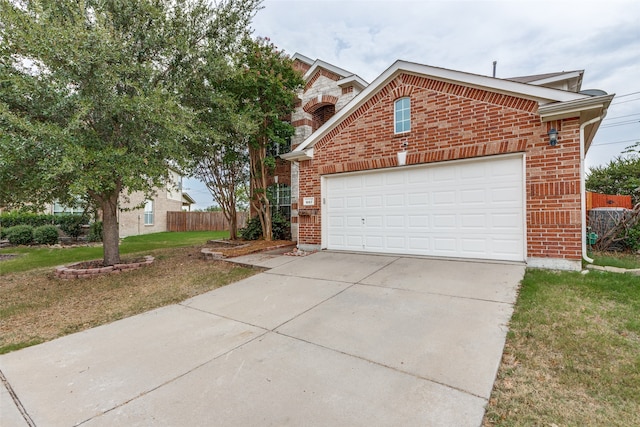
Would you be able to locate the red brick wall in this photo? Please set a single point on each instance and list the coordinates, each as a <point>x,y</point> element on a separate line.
<point>453,122</point>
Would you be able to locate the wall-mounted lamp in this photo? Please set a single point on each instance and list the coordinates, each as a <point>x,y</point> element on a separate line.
<point>402,155</point>
<point>553,137</point>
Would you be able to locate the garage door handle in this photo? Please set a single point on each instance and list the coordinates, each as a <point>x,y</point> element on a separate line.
<point>363,220</point>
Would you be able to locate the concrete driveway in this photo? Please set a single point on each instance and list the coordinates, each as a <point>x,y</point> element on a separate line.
<point>330,339</point>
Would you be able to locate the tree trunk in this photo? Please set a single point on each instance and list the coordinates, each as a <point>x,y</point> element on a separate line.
<point>111,231</point>
<point>259,198</point>
<point>233,220</point>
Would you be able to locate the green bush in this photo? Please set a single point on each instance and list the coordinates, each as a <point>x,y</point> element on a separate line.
<point>280,228</point>
<point>253,230</point>
<point>11,219</point>
<point>20,235</point>
<point>46,235</point>
<point>95,232</point>
<point>632,240</point>
<point>3,233</point>
<point>71,224</point>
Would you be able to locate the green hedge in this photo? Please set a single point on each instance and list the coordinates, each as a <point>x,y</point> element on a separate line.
<point>46,235</point>
<point>11,219</point>
<point>20,235</point>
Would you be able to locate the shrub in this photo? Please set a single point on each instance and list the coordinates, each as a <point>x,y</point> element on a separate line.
<point>46,235</point>
<point>11,219</point>
<point>95,232</point>
<point>20,235</point>
<point>71,224</point>
<point>279,228</point>
<point>253,230</point>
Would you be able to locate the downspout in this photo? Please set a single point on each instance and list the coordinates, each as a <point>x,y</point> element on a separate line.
<point>583,187</point>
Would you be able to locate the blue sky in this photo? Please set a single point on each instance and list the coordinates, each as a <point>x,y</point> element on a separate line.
<point>524,37</point>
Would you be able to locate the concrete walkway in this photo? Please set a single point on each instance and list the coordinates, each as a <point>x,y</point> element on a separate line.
<point>330,339</point>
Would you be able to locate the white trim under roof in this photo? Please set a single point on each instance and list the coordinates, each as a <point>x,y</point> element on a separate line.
<point>543,95</point>
<point>563,110</point>
<point>321,64</point>
<point>302,58</point>
<point>560,77</point>
<point>353,80</point>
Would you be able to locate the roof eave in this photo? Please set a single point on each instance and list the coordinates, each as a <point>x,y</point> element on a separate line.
<point>563,110</point>
<point>298,156</point>
<point>542,95</point>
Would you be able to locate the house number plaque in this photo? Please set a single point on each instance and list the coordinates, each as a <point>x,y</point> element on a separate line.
<point>308,201</point>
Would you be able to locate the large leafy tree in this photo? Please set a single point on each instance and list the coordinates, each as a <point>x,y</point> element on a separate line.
<point>266,89</point>
<point>620,176</point>
<point>90,96</point>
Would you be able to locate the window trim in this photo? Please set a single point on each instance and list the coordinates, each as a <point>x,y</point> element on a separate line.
<point>149,215</point>
<point>404,121</point>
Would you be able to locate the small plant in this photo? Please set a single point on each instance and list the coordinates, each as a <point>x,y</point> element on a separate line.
<point>279,228</point>
<point>253,230</point>
<point>71,225</point>
<point>95,232</point>
<point>20,235</point>
<point>46,235</point>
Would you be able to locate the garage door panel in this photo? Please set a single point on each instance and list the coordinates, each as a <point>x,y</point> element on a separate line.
<point>418,221</point>
<point>394,200</point>
<point>354,221</point>
<point>444,198</point>
<point>469,209</point>
<point>396,221</point>
<point>374,201</point>
<point>418,200</point>
<point>444,222</point>
<point>476,196</point>
<point>473,221</point>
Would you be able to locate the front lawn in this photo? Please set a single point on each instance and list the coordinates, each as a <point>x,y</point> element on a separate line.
<point>36,307</point>
<point>572,356</point>
<point>37,257</point>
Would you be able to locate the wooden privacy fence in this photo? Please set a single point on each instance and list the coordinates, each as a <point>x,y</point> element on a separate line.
<point>201,221</point>
<point>596,200</point>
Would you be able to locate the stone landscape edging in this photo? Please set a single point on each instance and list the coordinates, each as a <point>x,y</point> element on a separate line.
<point>69,272</point>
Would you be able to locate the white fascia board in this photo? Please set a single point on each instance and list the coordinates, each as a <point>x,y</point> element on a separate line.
<point>302,58</point>
<point>298,156</point>
<point>562,110</point>
<point>353,80</point>
<point>542,95</point>
<point>321,64</point>
<point>560,77</point>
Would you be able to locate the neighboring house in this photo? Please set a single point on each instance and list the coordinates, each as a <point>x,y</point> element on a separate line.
<point>436,162</point>
<point>150,215</point>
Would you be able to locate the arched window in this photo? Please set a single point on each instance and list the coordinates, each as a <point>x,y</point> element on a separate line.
<point>402,115</point>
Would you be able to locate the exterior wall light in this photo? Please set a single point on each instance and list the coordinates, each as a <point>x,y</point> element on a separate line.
<point>402,155</point>
<point>553,137</point>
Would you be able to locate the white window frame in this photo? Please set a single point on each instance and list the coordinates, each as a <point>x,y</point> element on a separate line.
<point>148,212</point>
<point>402,115</point>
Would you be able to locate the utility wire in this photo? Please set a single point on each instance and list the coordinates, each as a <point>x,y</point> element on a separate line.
<point>615,142</point>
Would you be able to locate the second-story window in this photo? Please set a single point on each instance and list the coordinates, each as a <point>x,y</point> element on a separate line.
<point>402,115</point>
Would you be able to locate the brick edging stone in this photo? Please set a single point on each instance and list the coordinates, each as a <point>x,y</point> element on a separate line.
<point>69,272</point>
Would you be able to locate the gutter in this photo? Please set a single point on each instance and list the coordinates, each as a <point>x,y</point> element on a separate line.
<point>583,187</point>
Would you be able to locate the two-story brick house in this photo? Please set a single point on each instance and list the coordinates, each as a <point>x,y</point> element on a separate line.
<point>436,162</point>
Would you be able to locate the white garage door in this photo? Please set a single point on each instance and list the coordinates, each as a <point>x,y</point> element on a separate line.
<point>465,209</point>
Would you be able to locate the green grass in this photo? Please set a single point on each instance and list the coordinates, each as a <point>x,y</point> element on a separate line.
<point>616,259</point>
<point>573,352</point>
<point>36,257</point>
